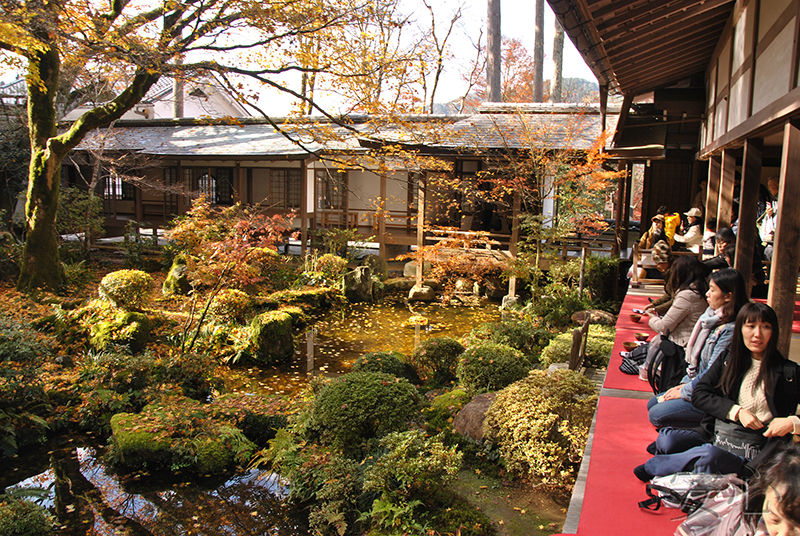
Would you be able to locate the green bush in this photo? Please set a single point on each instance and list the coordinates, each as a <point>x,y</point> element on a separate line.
<point>488,367</point>
<point>393,363</point>
<point>332,267</point>
<point>527,337</point>
<point>24,518</point>
<point>19,342</point>
<point>126,289</point>
<point>230,305</point>
<point>353,410</point>
<point>436,359</point>
<point>128,329</point>
<point>598,347</point>
<point>556,303</point>
<point>600,277</point>
<point>541,424</point>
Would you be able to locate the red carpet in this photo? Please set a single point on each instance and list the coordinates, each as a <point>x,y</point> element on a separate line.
<point>610,504</point>
<point>616,379</point>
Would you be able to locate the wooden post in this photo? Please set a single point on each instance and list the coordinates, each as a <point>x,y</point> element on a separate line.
<point>512,247</point>
<point>626,207</point>
<point>712,197</point>
<point>304,208</point>
<point>237,191</point>
<point>618,215</point>
<point>751,178</point>
<point>382,219</point>
<point>583,269</point>
<point>786,254</point>
<point>420,229</point>
<point>727,183</point>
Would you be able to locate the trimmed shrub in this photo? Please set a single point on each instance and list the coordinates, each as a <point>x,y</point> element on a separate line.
<point>541,424</point>
<point>353,410</point>
<point>600,278</point>
<point>19,342</point>
<point>393,363</point>
<point>451,402</point>
<point>488,367</point>
<point>128,329</point>
<point>436,359</point>
<point>24,518</point>
<point>525,336</point>
<point>332,267</point>
<point>126,289</point>
<point>598,347</point>
<point>230,305</point>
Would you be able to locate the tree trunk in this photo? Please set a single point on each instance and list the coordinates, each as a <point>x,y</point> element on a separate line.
<point>538,53</point>
<point>558,60</point>
<point>493,53</point>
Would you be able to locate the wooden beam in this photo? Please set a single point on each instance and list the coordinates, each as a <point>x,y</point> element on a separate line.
<point>618,214</point>
<point>712,197</point>
<point>748,233</point>
<point>512,247</point>
<point>623,118</point>
<point>421,183</point>
<point>665,14</point>
<point>726,186</point>
<point>786,254</point>
<point>603,105</point>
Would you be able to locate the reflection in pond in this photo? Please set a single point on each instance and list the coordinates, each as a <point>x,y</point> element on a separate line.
<point>331,345</point>
<point>83,493</point>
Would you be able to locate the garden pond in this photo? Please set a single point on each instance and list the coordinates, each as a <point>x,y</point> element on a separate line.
<point>249,502</point>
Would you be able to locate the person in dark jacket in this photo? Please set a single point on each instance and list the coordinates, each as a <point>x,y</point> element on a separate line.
<point>754,393</point>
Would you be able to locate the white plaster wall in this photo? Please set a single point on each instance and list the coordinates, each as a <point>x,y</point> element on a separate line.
<point>364,187</point>
<point>738,100</point>
<point>773,70</point>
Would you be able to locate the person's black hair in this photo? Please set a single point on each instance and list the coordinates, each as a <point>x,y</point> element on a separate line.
<point>662,210</point>
<point>739,361</point>
<point>688,273</point>
<point>711,224</point>
<point>731,281</point>
<point>781,470</point>
<point>729,252</point>
<point>727,235</point>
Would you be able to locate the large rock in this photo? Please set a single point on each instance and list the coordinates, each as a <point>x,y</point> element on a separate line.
<point>423,293</point>
<point>271,337</point>
<point>410,268</point>
<point>177,281</point>
<point>469,421</point>
<point>495,288</point>
<point>358,284</point>
<point>598,317</point>
<point>126,329</point>
<point>378,266</point>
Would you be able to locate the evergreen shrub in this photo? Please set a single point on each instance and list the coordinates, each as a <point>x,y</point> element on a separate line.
<point>523,335</point>
<point>436,359</point>
<point>393,363</point>
<point>488,367</point>
<point>540,425</point>
<point>24,518</point>
<point>126,289</point>
<point>230,305</point>
<point>598,347</point>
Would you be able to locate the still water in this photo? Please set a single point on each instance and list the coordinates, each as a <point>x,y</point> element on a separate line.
<point>250,502</point>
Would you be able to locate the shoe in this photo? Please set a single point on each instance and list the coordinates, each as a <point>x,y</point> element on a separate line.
<point>642,474</point>
<point>651,448</point>
<point>624,354</point>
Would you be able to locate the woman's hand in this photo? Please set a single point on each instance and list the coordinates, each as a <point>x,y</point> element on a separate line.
<point>674,393</point>
<point>779,427</point>
<point>749,420</point>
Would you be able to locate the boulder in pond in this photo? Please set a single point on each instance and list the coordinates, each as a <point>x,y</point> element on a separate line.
<point>423,293</point>
<point>469,421</point>
<point>358,285</point>
<point>271,337</point>
<point>379,266</point>
<point>410,268</point>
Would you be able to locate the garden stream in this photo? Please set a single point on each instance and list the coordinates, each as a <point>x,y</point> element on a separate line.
<point>248,502</point>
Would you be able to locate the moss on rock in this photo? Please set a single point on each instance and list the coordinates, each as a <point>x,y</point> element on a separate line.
<point>312,300</point>
<point>177,281</point>
<point>271,337</point>
<point>126,329</point>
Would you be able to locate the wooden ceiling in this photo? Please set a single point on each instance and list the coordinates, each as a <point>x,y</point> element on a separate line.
<point>636,46</point>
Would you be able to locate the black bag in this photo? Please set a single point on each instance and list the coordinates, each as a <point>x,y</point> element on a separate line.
<point>668,366</point>
<point>738,440</point>
<point>630,364</point>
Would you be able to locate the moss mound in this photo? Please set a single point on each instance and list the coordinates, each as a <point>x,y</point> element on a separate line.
<point>128,329</point>
<point>488,367</point>
<point>598,347</point>
<point>271,337</point>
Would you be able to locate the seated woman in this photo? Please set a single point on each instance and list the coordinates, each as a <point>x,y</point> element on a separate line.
<point>663,259</point>
<point>750,400</point>
<point>692,237</point>
<point>710,338</point>
<point>687,279</point>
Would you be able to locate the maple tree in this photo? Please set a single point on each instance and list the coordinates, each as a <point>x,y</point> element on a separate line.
<point>353,47</point>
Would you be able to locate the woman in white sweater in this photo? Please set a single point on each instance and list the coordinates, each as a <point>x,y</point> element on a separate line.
<point>692,236</point>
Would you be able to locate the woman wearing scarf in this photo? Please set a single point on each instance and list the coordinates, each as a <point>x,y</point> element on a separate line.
<point>710,338</point>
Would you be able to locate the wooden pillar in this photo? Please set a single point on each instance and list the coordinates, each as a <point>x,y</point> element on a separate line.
<point>304,208</point>
<point>420,229</point>
<point>182,189</point>
<point>786,254</point>
<point>626,207</point>
<point>237,191</point>
<point>712,195</point>
<point>382,218</point>
<point>751,178</point>
<point>618,214</point>
<point>512,246</point>
<point>603,106</point>
<point>727,183</point>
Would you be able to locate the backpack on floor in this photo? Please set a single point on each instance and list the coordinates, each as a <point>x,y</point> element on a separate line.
<point>687,491</point>
<point>668,366</point>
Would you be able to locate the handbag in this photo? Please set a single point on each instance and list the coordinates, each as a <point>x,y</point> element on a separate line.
<point>719,515</point>
<point>686,491</point>
<point>737,439</point>
<point>630,363</point>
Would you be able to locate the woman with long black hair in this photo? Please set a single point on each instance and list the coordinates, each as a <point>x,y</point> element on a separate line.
<point>750,400</point>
